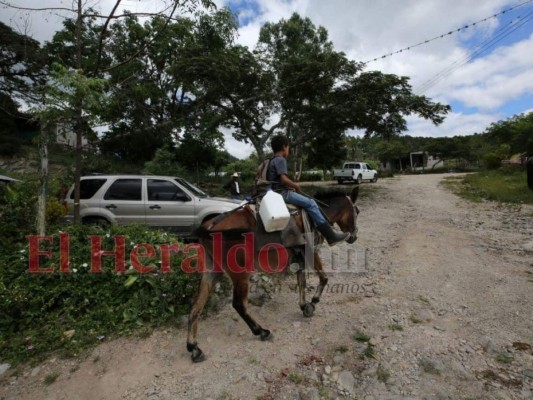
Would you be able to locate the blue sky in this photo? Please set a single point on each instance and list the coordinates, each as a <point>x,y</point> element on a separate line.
<point>492,86</point>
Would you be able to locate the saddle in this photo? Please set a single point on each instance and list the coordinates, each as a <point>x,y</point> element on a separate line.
<point>289,237</point>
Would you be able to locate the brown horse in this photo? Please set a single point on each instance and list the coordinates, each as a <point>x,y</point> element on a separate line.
<point>222,238</point>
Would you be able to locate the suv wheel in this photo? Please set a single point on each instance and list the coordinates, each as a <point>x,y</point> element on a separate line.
<point>359,179</point>
<point>104,223</point>
<point>375,179</point>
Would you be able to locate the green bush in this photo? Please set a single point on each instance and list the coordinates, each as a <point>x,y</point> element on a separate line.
<point>55,211</point>
<point>492,161</point>
<point>165,163</point>
<point>311,177</point>
<point>37,309</point>
<point>10,146</point>
<point>385,173</point>
<point>373,164</point>
<point>17,212</point>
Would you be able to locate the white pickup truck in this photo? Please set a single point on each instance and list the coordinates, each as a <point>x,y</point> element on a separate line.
<point>355,171</point>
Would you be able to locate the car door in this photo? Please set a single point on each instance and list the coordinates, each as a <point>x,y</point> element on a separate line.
<point>169,206</point>
<point>124,199</point>
<point>364,171</point>
<point>368,174</point>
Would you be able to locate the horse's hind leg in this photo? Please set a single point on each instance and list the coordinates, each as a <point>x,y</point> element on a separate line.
<point>307,308</point>
<point>206,284</point>
<point>240,304</point>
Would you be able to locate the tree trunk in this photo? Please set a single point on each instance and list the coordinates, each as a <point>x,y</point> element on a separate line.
<point>77,170</point>
<point>78,124</point>
<point>43,182</point>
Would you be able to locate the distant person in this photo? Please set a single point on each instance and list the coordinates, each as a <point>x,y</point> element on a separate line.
<point>234,187</point>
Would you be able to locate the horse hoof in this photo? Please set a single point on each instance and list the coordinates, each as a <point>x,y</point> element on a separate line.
<point>309,310</point>
<point>266,335</point>
<point>197,355</point>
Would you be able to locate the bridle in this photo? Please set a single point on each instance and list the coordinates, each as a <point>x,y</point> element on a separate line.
<point>353,235</point>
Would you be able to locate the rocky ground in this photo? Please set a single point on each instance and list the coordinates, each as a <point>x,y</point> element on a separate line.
<point>434,301</point>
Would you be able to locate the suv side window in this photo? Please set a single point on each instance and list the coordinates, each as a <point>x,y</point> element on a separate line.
<point>88,188</point>
<point>161,190</point>
<point>357,166</point>
<point>124,189</point>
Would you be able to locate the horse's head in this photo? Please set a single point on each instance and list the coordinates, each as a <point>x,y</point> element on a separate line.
<point>350,215</point>
<point>342,210</point>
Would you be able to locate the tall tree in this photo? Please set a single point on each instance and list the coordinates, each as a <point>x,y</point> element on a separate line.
<point>162,95</point>
<point>295,80</point>
<point>80,47</point>
<point>325,151</point>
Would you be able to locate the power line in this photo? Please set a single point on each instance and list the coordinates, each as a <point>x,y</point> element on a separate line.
<point>486,45</point>
<point>480,49</point>
<point>448,33</point>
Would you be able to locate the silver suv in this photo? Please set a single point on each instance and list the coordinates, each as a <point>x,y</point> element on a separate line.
<point>159,201</point>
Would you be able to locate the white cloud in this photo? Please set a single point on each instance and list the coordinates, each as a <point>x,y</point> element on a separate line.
<point>456,124</point>
<point>237,149</point>
<point>488,83</point>
<point>369,29</point>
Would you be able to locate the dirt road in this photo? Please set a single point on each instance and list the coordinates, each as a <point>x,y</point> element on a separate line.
<point>438,305</point>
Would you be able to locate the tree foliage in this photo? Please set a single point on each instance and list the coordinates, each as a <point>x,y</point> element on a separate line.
<point>167,82</point>
<point>21,64</point>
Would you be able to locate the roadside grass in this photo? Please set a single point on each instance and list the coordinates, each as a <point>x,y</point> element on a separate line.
<point>508,185</point>
<point>51,378</point>
<point>382,374</point>
<point>368,352</point>
<point>341,349</point>
<point>396,327</point>
<point>296,378</point>
<point>361,337</point>
<point>504,359</point>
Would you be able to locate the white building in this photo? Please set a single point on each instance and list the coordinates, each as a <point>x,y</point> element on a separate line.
<point>66,137</point>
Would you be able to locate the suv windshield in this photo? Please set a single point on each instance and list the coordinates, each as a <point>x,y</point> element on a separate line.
<point>191,187</point>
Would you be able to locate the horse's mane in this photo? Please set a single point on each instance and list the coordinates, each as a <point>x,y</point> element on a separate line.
<point>330,194</point>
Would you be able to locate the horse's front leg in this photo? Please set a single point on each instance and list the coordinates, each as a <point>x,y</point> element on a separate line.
<point>240,304</point>
<point>206,284</point>
<point>323,280</point>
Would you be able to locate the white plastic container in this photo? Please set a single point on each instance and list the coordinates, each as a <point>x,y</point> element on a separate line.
<point>274,212</point>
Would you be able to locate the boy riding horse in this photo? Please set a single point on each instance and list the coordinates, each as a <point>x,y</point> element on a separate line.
<point>277,173</point>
